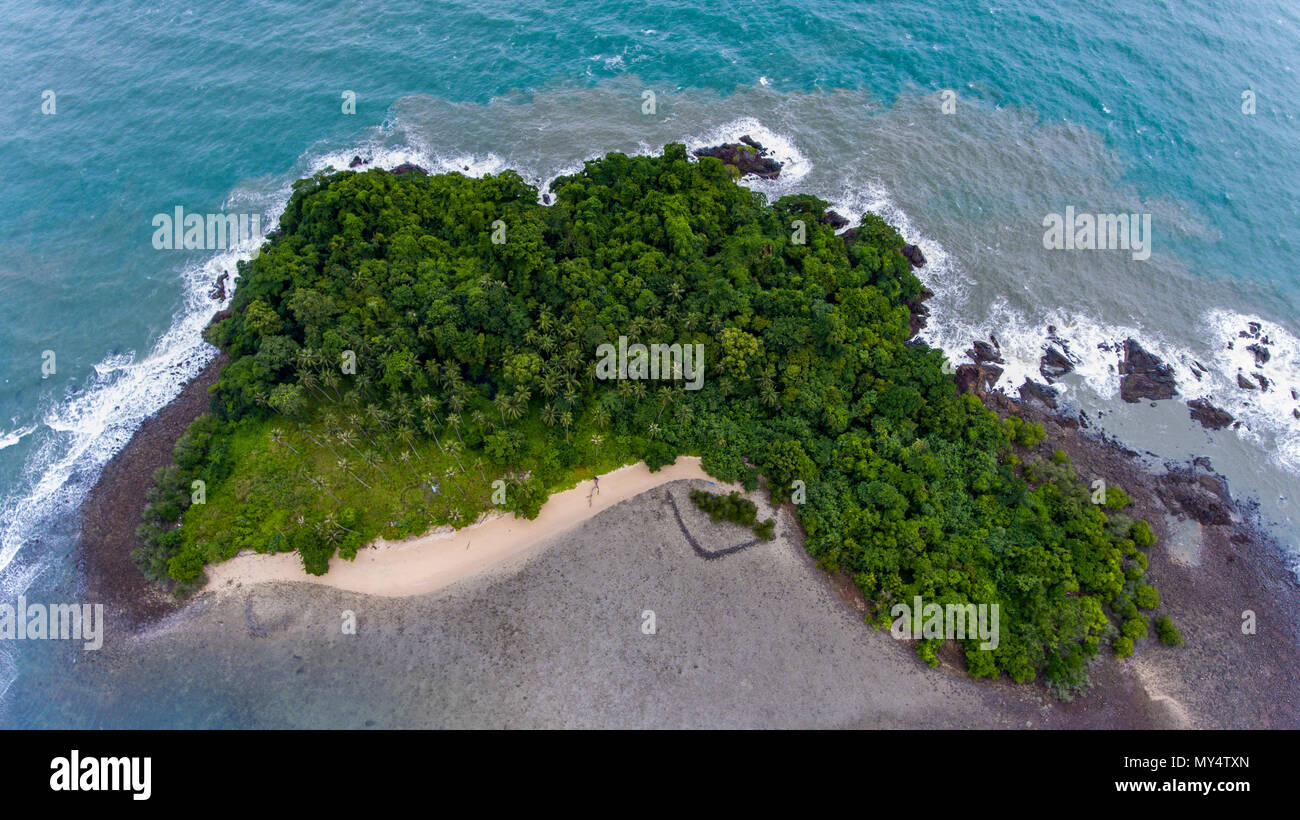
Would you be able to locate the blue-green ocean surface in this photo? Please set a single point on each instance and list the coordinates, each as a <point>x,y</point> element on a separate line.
<point>1107,106</point>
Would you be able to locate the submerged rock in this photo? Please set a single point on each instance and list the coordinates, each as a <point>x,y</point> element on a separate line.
<point>1144,376</point>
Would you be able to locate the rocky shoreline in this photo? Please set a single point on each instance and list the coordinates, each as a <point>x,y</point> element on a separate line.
<point>1213,561</point>
<point>112,509</point>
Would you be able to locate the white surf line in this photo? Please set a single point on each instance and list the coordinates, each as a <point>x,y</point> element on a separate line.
<point>441,557</point>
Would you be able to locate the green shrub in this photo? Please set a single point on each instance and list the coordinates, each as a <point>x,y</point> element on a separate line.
<point>1142,534</point>
<point>1167,632</point>
<point>1146,597</point>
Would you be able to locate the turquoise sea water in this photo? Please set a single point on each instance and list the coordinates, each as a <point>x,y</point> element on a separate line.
<point>1106,106</point>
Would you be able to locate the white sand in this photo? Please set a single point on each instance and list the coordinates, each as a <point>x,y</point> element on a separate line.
<point>443,556</point>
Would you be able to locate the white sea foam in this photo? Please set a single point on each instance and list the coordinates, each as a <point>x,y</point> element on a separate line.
<point>89,427</point>
<point>11,438</point>
<point>794,165</point>
<point>83,431</point>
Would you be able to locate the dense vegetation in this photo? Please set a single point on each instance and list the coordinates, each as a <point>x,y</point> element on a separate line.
<point>473,314</point>
<point>735,508</point>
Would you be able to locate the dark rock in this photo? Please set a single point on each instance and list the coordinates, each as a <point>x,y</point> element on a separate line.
<point>1200,494</point>
<point>746,156</point>
<point>409,168</point>
<point>1263,382</point>
<point>977,378</point>
<point>1144,376</point>
<point>1038,392</point>
<point>1295,412</point>
<point>218,292</point>
<point>356,160</point>
<point>983,352</point>
<point>913,254</point>
<point>1053,365</point>
<point>1244,383</point>
<point>1209,416</point>
<point>1295,395</point>
<point>1261,353</point>
<point>919,314</point>
<point>834,220</point>
<point>751,142</point>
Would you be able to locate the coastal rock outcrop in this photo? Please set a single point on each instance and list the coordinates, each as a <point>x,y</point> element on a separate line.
<point>833,219</point>
<point>218,292</point>
<point>747,156</point>
<point>1209,416</point>
<point>1200,493</point>
<point>409,168</point>
<point>913,254</point>
<point>1144,376</point>
<point>1053,365</point>
<point>918,312</point>
<point>1038,392</point>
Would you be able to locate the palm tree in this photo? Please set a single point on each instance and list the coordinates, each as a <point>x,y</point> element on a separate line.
<point>372,461</point>
<point>429,404</point>
<point>596,440</point>
<point>454,421</point>
<point>600,415</point>
<point>432,429</point>
<point>451,478</point>
<point>309,381</point>
<point>665,399</point>
<point>683,414</point>
<point>566,421</point>
<point>277,436</point>
<point>319,483</point>
<point>405,458</point>
<point>345,438</point>
<point>331,380</point>
<point>344,466</point>
<point>549,416</point>
<point>407,435</point>
<point>550,382</point>
<point>454,450</point>
<point>302,428</point>
<point>332,522</point>
<point>654,430</point>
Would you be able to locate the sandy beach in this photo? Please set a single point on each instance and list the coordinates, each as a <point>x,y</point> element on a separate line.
<point>443,556</point>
